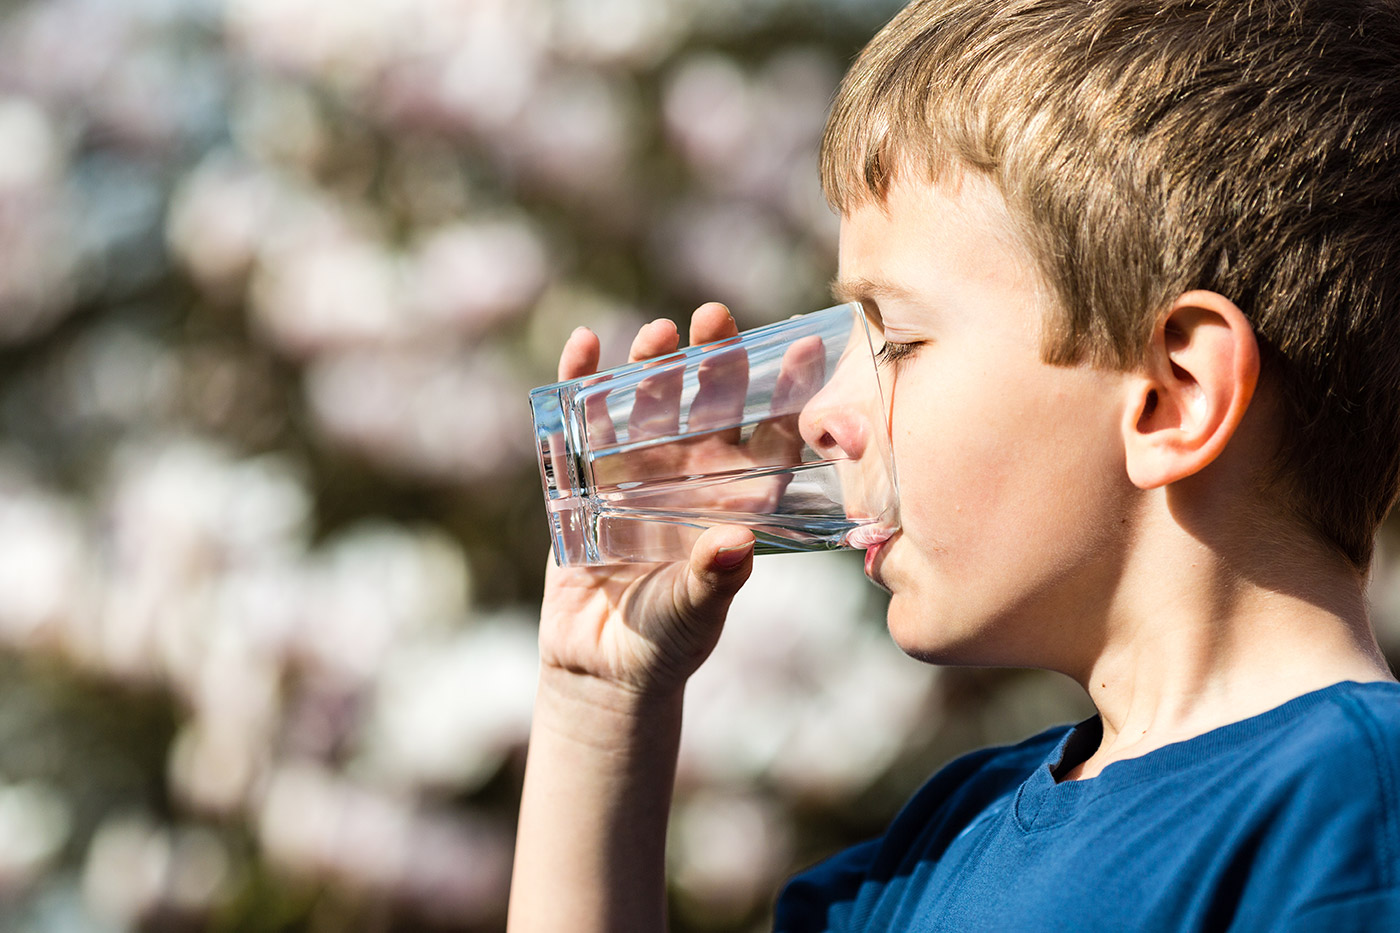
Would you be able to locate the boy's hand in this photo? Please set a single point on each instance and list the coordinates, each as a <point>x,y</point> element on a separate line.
<point>643,628</point>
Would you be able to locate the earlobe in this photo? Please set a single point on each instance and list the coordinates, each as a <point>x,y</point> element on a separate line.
<point>1191,392</point>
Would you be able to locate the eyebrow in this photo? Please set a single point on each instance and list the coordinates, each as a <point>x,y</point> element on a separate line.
<point>862,289</point>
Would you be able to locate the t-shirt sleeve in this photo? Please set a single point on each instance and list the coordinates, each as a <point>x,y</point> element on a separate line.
<point>822,897</point>
<point>1374,911</point>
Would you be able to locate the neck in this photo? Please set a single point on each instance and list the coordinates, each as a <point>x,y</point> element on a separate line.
<point>1216,640</point>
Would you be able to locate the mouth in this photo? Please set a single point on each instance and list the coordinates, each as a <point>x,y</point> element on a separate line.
<point>872,566</point>
<point>873,539</point>
<point>864,537</point>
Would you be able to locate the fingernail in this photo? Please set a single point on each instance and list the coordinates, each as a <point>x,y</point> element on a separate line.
<point>579,330</point>
<point>727,558</point>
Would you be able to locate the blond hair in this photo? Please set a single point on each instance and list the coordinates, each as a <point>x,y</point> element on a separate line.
<point>1149,148</point>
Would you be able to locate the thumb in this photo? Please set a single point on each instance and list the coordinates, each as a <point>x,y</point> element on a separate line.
<point>720,563</point>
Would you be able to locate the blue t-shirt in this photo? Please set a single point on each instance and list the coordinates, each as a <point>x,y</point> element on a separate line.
<point>1289,820</point>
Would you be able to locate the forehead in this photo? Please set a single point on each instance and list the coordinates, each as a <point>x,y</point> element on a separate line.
<point>933,232</point>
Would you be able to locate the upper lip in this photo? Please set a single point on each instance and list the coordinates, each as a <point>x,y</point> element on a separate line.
<point>869,536</point>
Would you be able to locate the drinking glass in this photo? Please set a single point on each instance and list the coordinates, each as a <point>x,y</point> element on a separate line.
<point>782,429</point>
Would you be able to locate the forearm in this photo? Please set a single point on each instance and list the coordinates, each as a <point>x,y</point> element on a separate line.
<point>590,853</point>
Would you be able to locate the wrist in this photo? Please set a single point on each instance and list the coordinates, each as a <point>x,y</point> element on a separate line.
<point>595,711</point>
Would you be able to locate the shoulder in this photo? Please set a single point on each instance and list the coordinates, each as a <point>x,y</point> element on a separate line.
<point>1352,730</point>
<point>1376,702</point>
<point>1338,729</point>
<point>1349,752</point>
<point>1373,709</point>
<point>958,795</point>
<point>1324,810</point>
<point>1334,750</point>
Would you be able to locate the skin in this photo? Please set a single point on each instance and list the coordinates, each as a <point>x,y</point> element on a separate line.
<point>616,647</point>
<point>1104,524</point>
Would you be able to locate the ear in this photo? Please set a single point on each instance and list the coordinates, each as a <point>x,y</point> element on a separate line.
<point>1194,386</point>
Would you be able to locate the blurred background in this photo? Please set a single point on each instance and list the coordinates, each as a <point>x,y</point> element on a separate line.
<point>275,276</point>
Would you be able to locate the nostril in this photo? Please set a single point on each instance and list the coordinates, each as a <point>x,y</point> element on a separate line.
<point>826,441</point>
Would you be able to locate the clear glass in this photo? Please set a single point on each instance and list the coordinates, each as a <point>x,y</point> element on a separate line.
<point>782,429</point>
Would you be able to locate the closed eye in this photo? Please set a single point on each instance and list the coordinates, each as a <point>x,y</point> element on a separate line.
<point>893,352</point>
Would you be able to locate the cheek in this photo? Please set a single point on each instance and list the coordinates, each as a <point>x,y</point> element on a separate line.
<point>952,456</point>
<point>957,427</point>
<point>998,466</point>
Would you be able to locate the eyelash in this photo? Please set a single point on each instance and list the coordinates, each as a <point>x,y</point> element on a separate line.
<point>893,352</point>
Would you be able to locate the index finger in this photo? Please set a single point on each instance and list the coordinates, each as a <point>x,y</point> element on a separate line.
<point>580,355</point>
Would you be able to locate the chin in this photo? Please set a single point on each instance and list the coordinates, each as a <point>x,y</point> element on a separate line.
<point>917,633</point>
<point>944,639</point>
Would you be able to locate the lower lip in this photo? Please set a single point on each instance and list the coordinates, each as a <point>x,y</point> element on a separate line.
<point>872,538</point>
<point>872,554</point>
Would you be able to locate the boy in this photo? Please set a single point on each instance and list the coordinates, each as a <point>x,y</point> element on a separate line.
<point>1135,264</point>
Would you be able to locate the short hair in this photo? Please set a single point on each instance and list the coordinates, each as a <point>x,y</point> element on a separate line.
<point>1150,147</point>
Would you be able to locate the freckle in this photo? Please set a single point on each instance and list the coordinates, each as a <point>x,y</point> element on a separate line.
<point>1103,685</point>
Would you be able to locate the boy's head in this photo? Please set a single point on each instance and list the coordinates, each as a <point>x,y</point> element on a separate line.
<point>1145,149</point>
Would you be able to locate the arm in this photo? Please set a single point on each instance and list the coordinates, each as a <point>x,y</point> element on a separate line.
<point>590,853</point>
<point>591,845</point>
<point>617,645</point>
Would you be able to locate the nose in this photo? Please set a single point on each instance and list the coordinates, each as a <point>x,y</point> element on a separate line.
<point>836,421</point>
